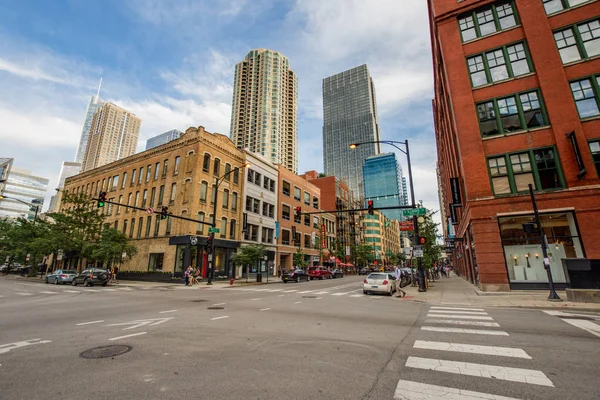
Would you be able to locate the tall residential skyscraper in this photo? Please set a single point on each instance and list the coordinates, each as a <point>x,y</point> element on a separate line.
<point>350,116</point>
<point>68,170</point>
<point>22,185</point>
<point>382,183</point>
<point>113,135</point>
<point>162,138</point>
<point>264,117</point>
<point>92,108</point>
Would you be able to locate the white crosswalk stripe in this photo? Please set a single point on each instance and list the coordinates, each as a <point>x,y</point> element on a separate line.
<point>578,320</point>
<point>357,295</point>
<point>471,348</point>
<point>475,317</point>
<point>340,294</point>
<point>462,330</point>
<point>321,292</point>
<point>459,312</point>
<point>409,390</point>
<point>460,322</point>
<point>587,326</point>
<point>456,308</point>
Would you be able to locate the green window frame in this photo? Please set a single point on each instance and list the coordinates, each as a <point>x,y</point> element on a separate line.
<point>514,113</point>
<point>512,173</point>
<point>488,20</point>
<point>586,93</point>
<point>595,150</point>
<point>579,41</point>
<point>500,64</point>
<point>554,6</point>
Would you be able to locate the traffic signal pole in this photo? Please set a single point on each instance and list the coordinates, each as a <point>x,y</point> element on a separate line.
<point>422,287</point>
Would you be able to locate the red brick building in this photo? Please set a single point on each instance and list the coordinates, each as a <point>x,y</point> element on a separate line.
<point>517,102</point>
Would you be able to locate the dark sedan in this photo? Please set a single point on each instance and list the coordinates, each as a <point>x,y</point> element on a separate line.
<point>337,273</point>
<point>61,276</point>
<point>91,276</point>
<point>294,276</point>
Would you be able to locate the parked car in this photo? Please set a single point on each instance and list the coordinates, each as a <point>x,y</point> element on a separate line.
<point>91,276</point>
<point>296,275</point>
<point>380,282</point>
<point>61,276</point>
<point>319,273</point>
<point>337,273</point>
<point>363,271</point>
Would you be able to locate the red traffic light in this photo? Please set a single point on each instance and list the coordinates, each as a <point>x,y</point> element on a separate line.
<point>370,206</point>
<point>422,240</point>
<point>298,211</point>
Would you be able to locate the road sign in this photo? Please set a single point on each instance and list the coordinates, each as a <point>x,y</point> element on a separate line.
<point>407,226</point>
<point>150,210</point>
<point>418,253</point>
<point>418,247</point>
<point>410,212</point>
<point>213,230</point>
<point>407,251</point>
<point>348,251</point>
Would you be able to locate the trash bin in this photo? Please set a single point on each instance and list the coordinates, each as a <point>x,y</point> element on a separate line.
<point>582,273</point>
<point>258,278</point>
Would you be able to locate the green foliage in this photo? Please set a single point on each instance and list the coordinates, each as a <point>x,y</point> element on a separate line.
<point>299,260</point>
<point>111,247</point>
<point>249,255</point>
<point>431,251</point>
<point>363,254</point>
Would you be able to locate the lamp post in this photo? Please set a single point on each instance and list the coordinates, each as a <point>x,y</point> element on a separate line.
<point>394,143</point>
<point>37,208</point>
<point>218,181</point>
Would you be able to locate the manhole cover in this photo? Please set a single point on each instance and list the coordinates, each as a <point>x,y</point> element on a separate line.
<point>309,297</point>
<point>198,301</point>
<point>216,308</point>
<point>106,351</point>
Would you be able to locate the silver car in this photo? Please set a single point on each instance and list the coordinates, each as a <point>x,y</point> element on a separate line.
<point>61,276</point>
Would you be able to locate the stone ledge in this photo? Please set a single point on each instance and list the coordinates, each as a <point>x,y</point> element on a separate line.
<point>583,295</point>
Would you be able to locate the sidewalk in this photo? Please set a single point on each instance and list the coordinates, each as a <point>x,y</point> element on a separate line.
<point>457,291</point>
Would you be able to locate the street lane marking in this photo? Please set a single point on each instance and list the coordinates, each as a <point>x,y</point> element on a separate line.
<point>142,322</point>
<point>24,294</point>
<point>459,312</point>
<point>261,290</point>
<point>89,323</point>
<point>298,302</point>
<point>72,291</point>
<point>306,291</point>
<point>168,311</point>
<point>460,317</point>
<point>258,298</point>
<point>318,298</point>
<point>127,336</point>
<point>357,295</point>
<point>5,348</point>
<point>216,318</point>
<point>459,322</point>
<point>92,290</point>
<point>281,295</point>
<point>264,309</point>
<point>588,326</point>
<point>341,294</point>
<point>49,292</point>
<point>570,314</point>
<point>471,348</point>
<point>321,292</point>
<point>274,290</point>
<point>461,330</point>
<point>456,308</point>
<point>109,290</point>
<point>219,304</point>
<point>125,288</point>
<point>530,376</point>
<point>408,390</point>
<point>290,291</point>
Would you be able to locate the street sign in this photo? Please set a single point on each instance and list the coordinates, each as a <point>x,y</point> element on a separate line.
<point>407,251</point>
<point>150,210</point>
<point>410,212</point>
<point>418,253</point>
<point>348,250</point>
<point>213,230</point>
<point>418,247</point>
<point>407,226</point>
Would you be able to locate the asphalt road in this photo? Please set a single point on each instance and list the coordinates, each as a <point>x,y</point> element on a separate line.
<point>311,340</point>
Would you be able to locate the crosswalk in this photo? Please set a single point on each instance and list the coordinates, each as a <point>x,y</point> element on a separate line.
<point>588,322</point>
<point>353,290</point>
<point>459,326</point>
<point>32,293</point>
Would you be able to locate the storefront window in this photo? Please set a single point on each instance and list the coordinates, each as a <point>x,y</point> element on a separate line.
<point>156,262</point>
<point>523,251</point>
<point>219,259</point>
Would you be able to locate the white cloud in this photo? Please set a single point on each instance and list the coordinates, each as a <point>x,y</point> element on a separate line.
<point>167,12</point>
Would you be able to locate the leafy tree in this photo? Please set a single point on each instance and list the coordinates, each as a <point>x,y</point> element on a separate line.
<point>249,255</point>
<point>363,254</point>
<point>299,260</point>
<point>432,251</point>
<point>111,247</point>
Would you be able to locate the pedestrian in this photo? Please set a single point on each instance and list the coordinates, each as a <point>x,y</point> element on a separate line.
<point>399,282</point>
<point>115,273</point>
<point>187,275</point>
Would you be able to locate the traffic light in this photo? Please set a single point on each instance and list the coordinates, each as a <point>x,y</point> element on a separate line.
<point>370,205</point>
<point>101,199</point>
<point>163,213</point>
<point>298,212</point>
<point>422,241</point>
<point>209,245</point>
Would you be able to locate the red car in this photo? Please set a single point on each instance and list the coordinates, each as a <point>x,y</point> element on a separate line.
<point>319,273</point>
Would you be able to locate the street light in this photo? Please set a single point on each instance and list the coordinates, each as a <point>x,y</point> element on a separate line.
<point>393,143</point>
<point>37,208</point>
<point>218,181</point>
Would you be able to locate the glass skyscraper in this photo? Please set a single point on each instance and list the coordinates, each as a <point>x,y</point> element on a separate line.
<point>92,108</point>
<point>382,177</point>
<point>350,116</point>
<point>163,138</point>
<point>22,185</point>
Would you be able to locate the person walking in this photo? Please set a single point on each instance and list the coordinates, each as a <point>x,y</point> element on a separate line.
<point>188,273</point>
<point>399,282</point>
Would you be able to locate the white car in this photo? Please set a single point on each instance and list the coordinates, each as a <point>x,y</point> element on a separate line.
<point>380,282</point>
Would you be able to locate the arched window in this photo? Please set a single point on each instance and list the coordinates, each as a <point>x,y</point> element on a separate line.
<point>203,190</point>
<point>223,230</point>
<point>206,163</point>
<point>227,171</point>
<point>234,197</point>
<point>232,229</point>
<point>225,198</point>
<point>200,227</point>
<point>216,167</point>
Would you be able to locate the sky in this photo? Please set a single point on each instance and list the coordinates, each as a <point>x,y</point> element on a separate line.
<point>171,62</point>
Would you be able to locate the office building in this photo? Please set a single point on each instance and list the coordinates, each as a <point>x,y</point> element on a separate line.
<point>381,174</point>
<point>93,106</point>
<point>113,136</point>
<point>517,102</point>
<point>382,234</point>
<point>264,117</point>
<point>21,189</point>
<point>68,170</point>
<point>350,116</point>
<point>5,166</point>
<point>162,138</point>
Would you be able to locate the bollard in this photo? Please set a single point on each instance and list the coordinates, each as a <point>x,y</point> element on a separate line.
<point>231,282</point>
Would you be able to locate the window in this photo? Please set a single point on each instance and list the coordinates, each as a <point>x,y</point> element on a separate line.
<point>553,6</point>
<point>137,199</point>
<point>125,227</point>
<point>144,198</point>
<point>140,224</point>
<point>152,196</point>
<point>585,92</point>
<point>315,202</point>
<point>236,176</point>
<point>297,193</point>
<point>257,177</point>
<point>199,226</point>
<point>173,193</point>
<point>156,170</point>
<point>234,197</point>
<point>250,175</point>
<point>176,168</point>
<point>213,195</point>
<point>510,114</point>
<point>148,173</point>
<point>499,64</point>
<point>225,198</point>
<point>165,168</point>
<point>595,150</point>
<point>488,20</point>
<point>132,228</point>
<point>227,171</point>
<point>133,177</point>
<point>161,194</point>
<point>120,202</point>
<point>285,212</point>
<point>266,183</point>
<point>268,210</point>
<point>307,198</point>
<point>129,196</point>
<point>307,220</point>
<point>315,222</point>
<point>285,237</point>
<point>187,192</point>
<point>579,41</point>
<point>156,225</point>
<point>155,261</point>
<point>232,229</point>
<point>251,233</point>
<point>115,182</point>
<point>122,183</point>
<point>216,167</point>
<point>141,175</point>
<point>267,235</point>
<point>256,206</point>
<point>512,173</point>
<point>148,225</point>
<point>307,240</point>
<point>285,188</point>
<point>206,163</point>
<point>203,190</point>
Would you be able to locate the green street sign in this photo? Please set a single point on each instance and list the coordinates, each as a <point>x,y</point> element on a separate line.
<point>214,230</point>
<point>411,212</point>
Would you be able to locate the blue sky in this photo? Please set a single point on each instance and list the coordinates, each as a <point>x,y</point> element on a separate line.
<point>172,64</point>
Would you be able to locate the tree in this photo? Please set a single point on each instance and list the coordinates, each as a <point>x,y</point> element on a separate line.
<point>299,260</point>
<point>249,255</point>
<point>431,251</point>
<point>363,254</point>
<point>113,248</point>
